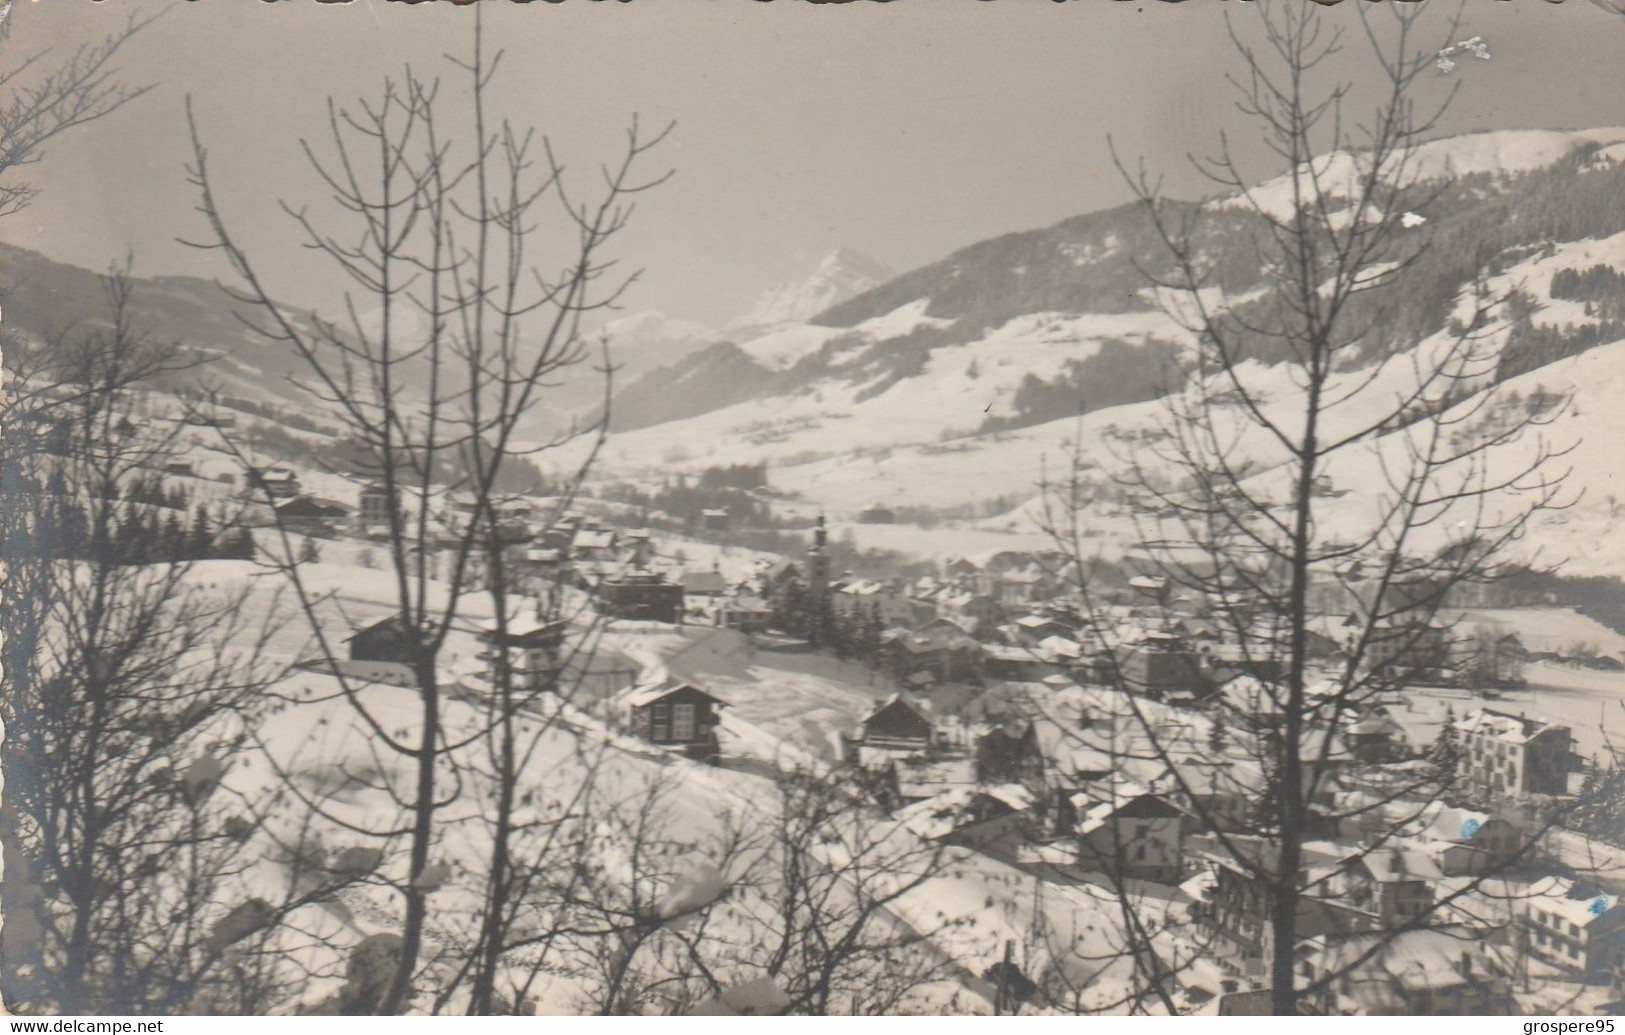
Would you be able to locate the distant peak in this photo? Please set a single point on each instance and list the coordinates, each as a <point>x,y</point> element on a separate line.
<point>843,273</point>
<point>851,261</point>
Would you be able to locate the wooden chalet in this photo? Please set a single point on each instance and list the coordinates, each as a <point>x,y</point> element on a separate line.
<point>897,722</point>
<point>531,645</point>
<point>383,640</point>
<point>678,715</point>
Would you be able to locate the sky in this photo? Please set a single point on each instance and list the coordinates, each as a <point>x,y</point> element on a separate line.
<point>902,130</point>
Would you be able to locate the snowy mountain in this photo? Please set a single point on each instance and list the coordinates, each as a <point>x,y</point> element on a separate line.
<point>951,387</point>
<point>697,380</point>
<point>48,300</point>
<point>642,341</point>
<point>841,275</point>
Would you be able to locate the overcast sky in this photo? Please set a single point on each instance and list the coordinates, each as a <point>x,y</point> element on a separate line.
<point>902,130</point>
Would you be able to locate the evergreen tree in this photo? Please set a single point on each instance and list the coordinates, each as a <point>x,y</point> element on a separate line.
<point>173,539</point>
<point>1446,753</point>
<point>200,539</point>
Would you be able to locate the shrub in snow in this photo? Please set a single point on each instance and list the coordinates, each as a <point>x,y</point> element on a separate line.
<point>238,924</point>
<point>432,877</point>
<point>756,998</point>
<point>201,778</point>
<point>352,862</point>
<point>697,886</point>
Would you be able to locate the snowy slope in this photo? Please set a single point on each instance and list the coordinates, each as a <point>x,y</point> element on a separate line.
<point>1499,152</point>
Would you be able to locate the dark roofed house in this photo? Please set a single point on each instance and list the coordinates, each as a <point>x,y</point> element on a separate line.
<point>897,722</point>
<point>1009,753</point>
<point>279,483</point>
<point>383,640</point>
<point>679,715</point>
<point>1164,671</point>
<point>311,515</point>
<point>703,583</point>
<point>641,596</point>
<point>779,577</point>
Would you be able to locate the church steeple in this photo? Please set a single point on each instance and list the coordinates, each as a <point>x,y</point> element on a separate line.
<point>818,560</point>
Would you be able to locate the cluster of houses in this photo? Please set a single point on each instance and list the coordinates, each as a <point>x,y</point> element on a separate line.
<point>1051,776</point>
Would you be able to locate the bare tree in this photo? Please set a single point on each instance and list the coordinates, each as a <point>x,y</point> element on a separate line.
<point>130,685</point>
<point>450,333</point>
<point>1279,396</point>
<point>42,97</point>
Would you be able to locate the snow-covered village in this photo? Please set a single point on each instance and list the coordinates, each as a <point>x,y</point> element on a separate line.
<point>1208,605</point>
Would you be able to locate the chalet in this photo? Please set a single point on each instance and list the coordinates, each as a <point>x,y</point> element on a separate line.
<point>951,626</point>
<point>960,567</point>
<point>1124,829</point>
<point>779,577</point>
<point>1030,629</point>
<point>383,640</point>
<point>747,614</point>
<point>1494,659</point>
<point>1375,738</point>
<point>897,722</point>
<point>1506,755</point>
<point>279,483</point>
<point>310,515</point>
<point>641,595</point>
<point>1009,753</point>
<point>877,515</point>
<point>1579,929</point>
<point>679,715</point>
<point>1149,588</point>
<point>373,504</point>
<point>714,520</point>
<point>1024,586</point>
<point>706,584</point>
<point>531,645</point>
<point>982,607</point>
<point>544,561</point>
<point>943,656</point>
<point>1164,670</point>
<point>593,544</point>
<point>1002,661</point>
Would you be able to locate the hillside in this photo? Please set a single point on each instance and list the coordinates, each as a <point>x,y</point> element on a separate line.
<point>948,387</point>
<point>49,301</point>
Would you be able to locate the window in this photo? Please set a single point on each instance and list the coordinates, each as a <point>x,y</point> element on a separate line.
<point>662,722</point>
<point>682,722</point>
